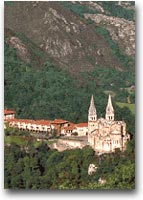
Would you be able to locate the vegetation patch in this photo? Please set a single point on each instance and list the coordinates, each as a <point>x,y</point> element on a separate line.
<point>125,60</point>
<point>78,8</point>
<point>128,105</point>
<point>43,168</point>
<point>16,140</point>
<point>117,10</point>
<point>110,92</point>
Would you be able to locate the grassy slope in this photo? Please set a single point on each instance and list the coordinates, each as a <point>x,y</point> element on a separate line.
<point>21,141</point>
<point>128,105</point>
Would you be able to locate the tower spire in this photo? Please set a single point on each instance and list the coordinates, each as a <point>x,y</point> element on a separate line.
<point>109,110</point>
<point>92,116</point>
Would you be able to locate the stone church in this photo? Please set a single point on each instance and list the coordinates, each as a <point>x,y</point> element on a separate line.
<point>106,134</point>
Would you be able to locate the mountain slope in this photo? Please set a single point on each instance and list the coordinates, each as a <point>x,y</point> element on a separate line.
<point>55,58</point>
<point>66,38</point>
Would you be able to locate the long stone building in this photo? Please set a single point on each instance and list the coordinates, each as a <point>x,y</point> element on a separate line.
<point>106,134</point>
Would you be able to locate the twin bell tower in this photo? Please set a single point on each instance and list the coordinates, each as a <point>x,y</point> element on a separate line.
<point>92,114</point>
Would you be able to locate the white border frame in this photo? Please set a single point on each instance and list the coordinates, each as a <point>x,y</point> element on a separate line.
<point>76,194</point>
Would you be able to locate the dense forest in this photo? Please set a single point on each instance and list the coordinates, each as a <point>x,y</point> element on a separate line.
<point>31,92</point>
<point>42,168</point>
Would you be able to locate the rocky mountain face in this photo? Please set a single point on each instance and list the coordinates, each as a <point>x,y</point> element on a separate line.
<point>121,30</point>
<point>69,40</point>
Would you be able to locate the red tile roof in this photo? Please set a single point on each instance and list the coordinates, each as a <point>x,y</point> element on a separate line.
<point>8,112</point>
<point>82,124</point>
<point>59,121</point>
<point>21,120</point>
<point>30,121</point>
<point>71,127</point>
<point>43,122</point>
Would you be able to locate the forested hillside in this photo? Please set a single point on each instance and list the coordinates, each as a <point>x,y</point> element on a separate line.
<point>40,83</point>
<point>43,168</point>
<point>53,93</point>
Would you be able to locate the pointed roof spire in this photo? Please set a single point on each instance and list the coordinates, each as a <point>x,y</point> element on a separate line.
<point>109,107</point>
<point>92,109</point>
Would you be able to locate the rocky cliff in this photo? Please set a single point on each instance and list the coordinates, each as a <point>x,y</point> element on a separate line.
<point>121,30</point>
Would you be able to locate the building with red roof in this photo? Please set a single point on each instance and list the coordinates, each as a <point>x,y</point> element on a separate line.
<point>60,122</point>
<point>82,129</point>
<point>9,114</point>
<point>68,130</point>
<point>62,126</point>
<point>31,125</point>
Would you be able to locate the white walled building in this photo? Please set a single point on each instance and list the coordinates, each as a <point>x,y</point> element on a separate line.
<point>82,129</point>
<point>31,125</point>
<point>9,114</point>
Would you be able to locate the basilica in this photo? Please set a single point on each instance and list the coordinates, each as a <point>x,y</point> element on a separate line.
<point>106,134</point>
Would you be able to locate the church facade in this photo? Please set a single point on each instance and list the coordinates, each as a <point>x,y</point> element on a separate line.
<point>105,134</point>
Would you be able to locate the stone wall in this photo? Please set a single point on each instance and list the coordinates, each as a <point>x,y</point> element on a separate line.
<point>63,144</point>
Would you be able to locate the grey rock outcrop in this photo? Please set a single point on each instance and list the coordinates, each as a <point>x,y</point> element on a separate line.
<point>121,30</point>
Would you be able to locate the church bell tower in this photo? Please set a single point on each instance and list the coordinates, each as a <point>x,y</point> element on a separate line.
<point>92,116</point>
<point>109,110</point>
